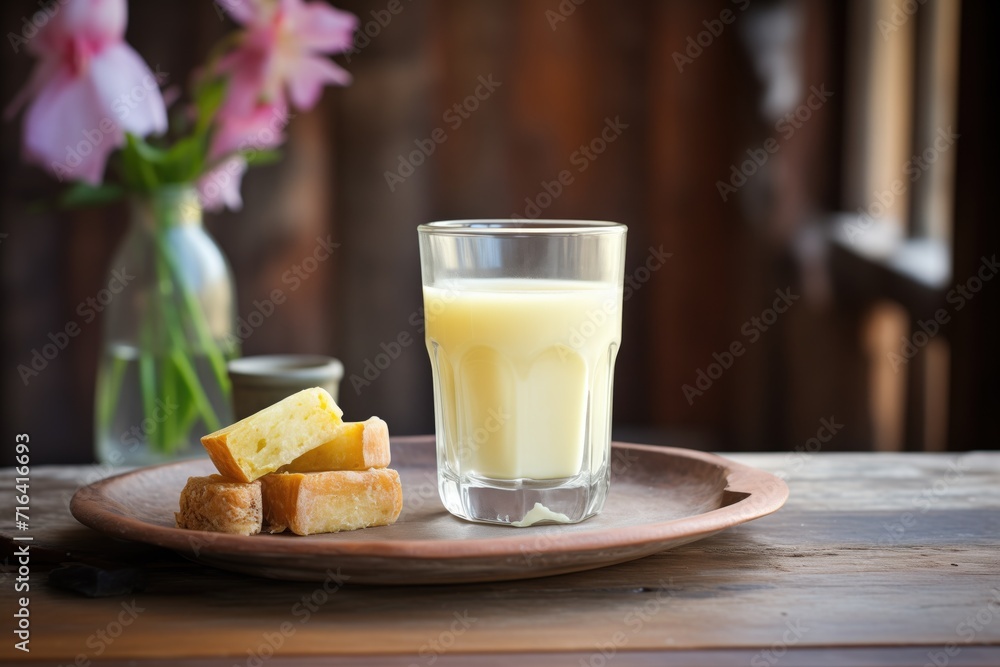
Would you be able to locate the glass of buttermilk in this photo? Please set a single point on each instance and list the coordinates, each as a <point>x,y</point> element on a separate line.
<point>523,324</point>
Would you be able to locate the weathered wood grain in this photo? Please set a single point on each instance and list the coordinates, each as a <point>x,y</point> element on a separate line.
<point>875,560</point>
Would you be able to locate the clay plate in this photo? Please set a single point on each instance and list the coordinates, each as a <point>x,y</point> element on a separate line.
<point>660,497</point>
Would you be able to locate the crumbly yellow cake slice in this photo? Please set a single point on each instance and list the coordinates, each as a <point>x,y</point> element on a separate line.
<point>220,505</point>
<point>356,446</point>
<point>329,502</point>
<point>275,436</point>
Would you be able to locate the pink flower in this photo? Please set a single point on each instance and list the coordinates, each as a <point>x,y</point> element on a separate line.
<point>220,187</point>
<point>88,88</point>
<point>262,128</point>
<point>279,61</point>
<point>282,52</point>
<point>235,137</point>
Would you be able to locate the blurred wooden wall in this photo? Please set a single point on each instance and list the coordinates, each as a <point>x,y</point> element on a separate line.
<point>560,79</point>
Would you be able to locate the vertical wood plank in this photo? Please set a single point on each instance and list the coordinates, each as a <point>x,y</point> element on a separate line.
<point>975,392</point>
<point>380,116</point>
<point>691,137</point>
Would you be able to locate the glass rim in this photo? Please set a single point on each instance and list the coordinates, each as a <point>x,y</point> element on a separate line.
<point>276,369</point>
<point>519,227</point>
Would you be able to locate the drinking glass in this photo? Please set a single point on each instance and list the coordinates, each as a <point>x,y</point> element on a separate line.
<point>523,324</point>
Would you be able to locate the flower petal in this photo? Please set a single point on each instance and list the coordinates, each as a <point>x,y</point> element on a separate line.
<point>128,90</point>
<point>246,68</point>
<point>42,74</point>
<point>307,78</point>
<point>246,12</point>
<point>260,130</point>
<point>220,188</point>
<point>67,130</point>
<point>319,27</point>
<point>96,22</point>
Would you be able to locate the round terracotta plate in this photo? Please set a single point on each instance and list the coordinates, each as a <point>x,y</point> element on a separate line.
<point>660,497</point>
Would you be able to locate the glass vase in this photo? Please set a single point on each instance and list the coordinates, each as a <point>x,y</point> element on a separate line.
<point>168,334</point>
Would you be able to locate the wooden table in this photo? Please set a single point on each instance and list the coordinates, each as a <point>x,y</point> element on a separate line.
<point>887,559</point>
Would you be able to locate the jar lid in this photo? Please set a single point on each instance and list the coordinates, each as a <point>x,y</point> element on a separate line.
<point>277,370</point>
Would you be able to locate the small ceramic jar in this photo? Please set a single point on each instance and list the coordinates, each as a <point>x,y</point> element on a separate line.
<point>264,380</point>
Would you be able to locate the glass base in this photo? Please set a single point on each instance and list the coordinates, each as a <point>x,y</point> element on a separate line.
<point>509,502</point>
<point>113,452</point>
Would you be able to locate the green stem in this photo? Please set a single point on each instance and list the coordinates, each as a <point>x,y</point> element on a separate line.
<point>171,439</point>
<point>199,324</point>
<point>146,173</point>
<point>174,342</point>
<point>188,412</point>
<point>177,349</point>
<point>110,391</point>
<point>147,374</point>
<point>190,376</point>
<point>162,436</point>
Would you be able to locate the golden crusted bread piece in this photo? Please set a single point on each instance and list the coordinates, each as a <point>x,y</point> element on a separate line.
<point>278,434</point>
<point>329,502</point>
<point>220,505</point>
<point>356,446</point>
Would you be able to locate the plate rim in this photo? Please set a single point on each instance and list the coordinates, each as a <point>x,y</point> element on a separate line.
<point>766,493</point>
